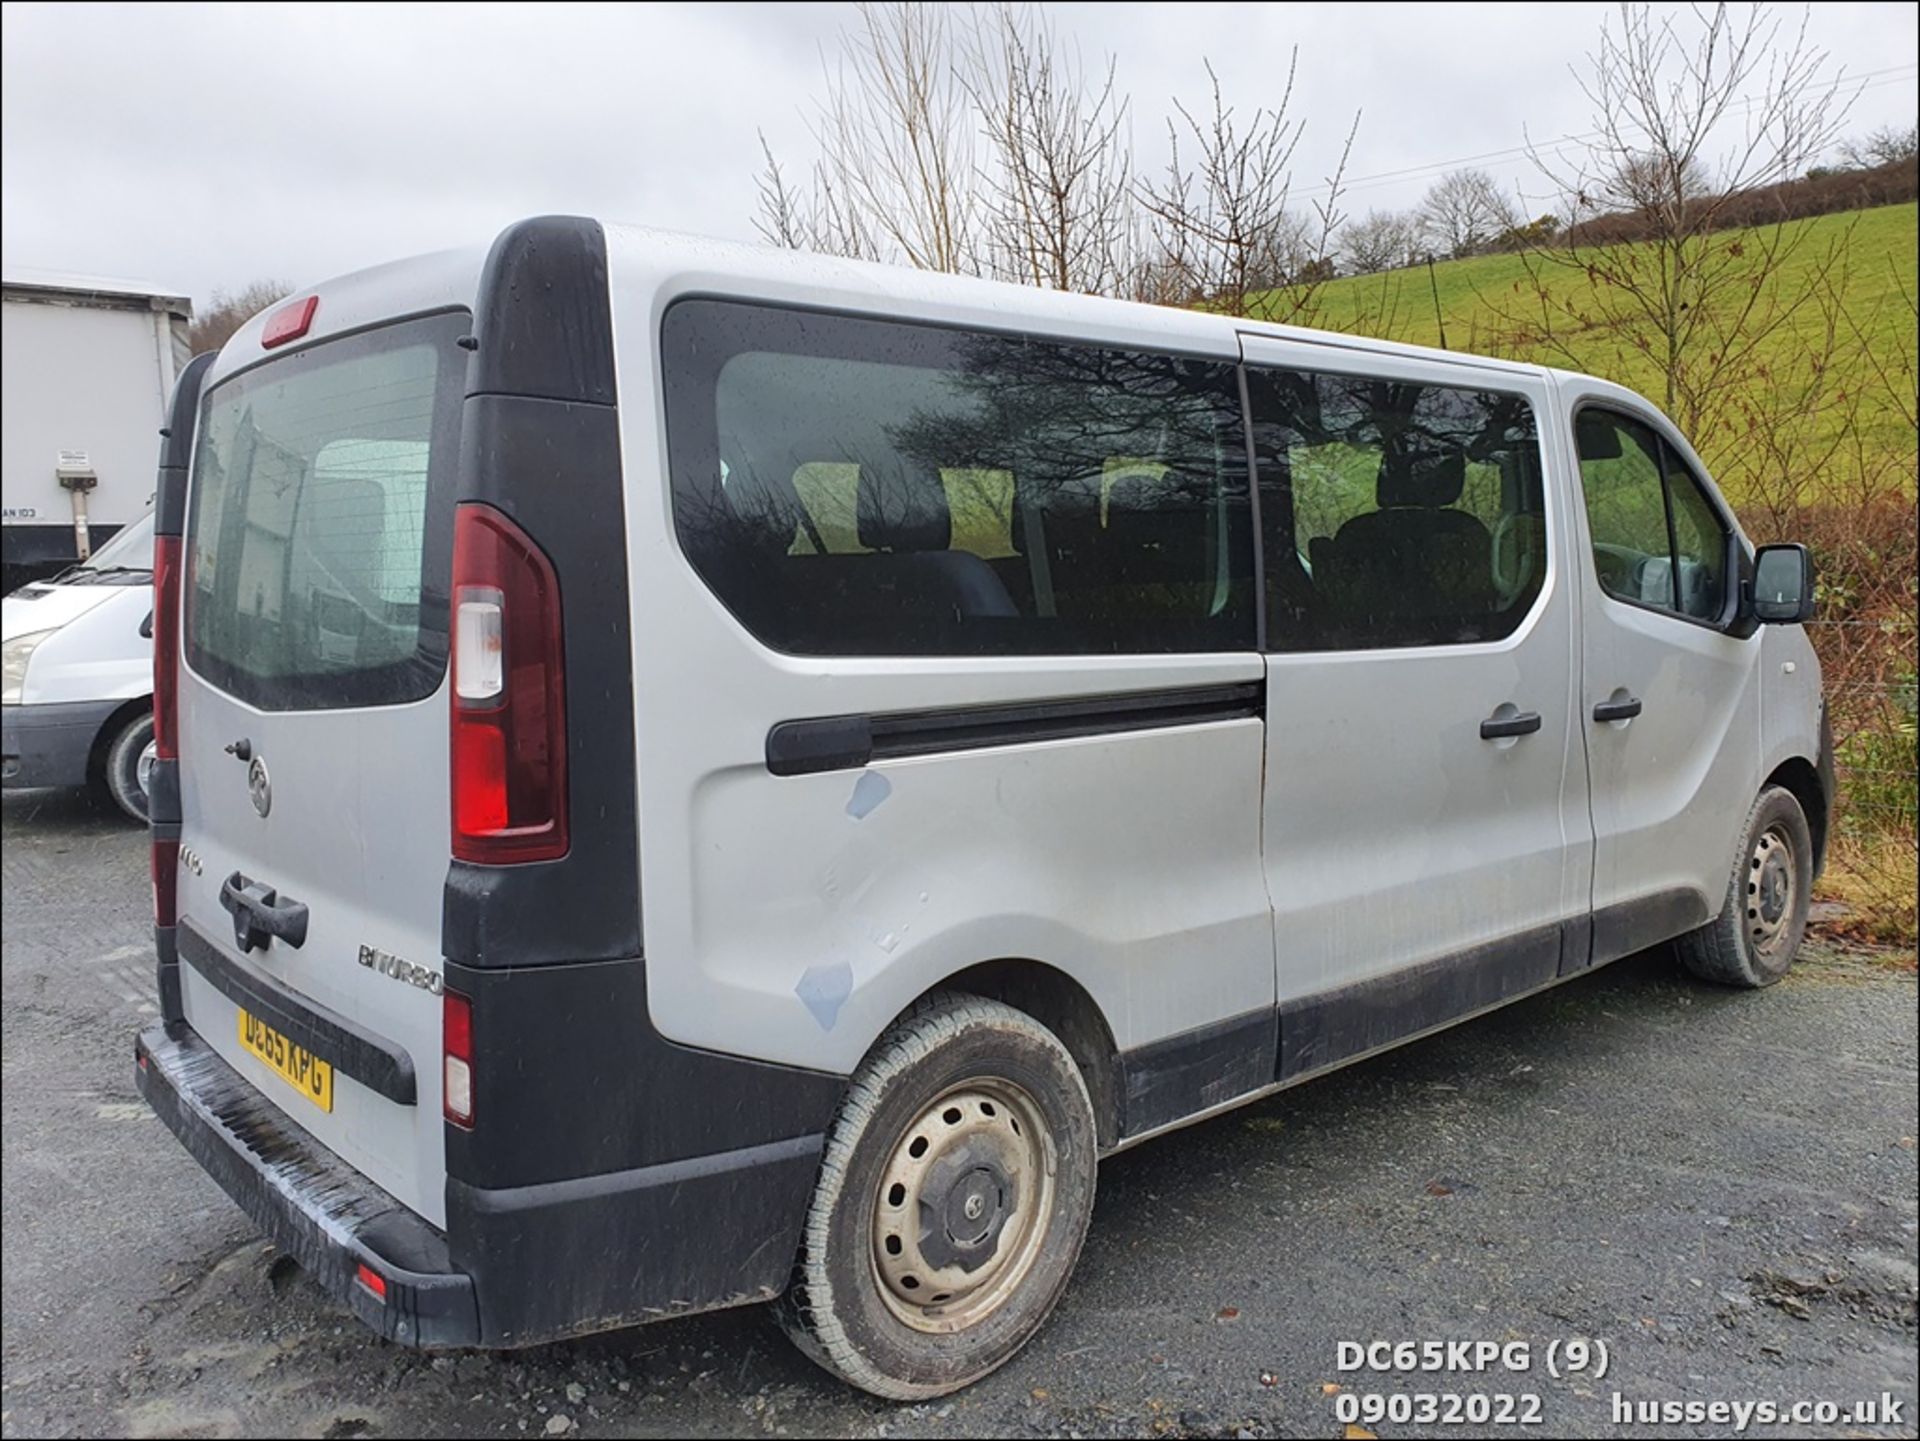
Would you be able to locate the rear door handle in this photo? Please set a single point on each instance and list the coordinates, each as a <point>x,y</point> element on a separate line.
<point>1617,710</point>
<point>261,914</point>
<point>1521,723</point>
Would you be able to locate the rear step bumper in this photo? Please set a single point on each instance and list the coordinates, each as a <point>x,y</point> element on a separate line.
<point>313,1206</point>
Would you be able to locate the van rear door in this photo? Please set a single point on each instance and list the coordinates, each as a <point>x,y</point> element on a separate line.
<point>314,736</point>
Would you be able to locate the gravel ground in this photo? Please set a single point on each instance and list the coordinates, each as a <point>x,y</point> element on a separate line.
<point>1722,1187</point>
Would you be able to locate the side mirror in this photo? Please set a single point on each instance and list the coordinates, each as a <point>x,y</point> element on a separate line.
<point>1782,584</point>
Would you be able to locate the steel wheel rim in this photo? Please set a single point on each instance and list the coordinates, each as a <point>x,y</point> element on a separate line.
<point>143,768</point>
<point>985,1141</point>
<point>1772,891</point>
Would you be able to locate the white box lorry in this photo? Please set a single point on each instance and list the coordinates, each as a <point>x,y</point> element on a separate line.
<point>89,366</point>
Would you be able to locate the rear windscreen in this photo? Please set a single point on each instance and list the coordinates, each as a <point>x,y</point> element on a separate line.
<point>321,517</point>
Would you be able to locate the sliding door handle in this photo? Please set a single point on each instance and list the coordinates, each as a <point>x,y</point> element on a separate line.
<point>1617,710</point>
<point>1518,723</point>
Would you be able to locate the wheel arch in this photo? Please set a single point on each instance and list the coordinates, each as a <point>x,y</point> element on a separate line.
<point>1065,1007</point>
<point>1801,777</point>
<point>110,729</point>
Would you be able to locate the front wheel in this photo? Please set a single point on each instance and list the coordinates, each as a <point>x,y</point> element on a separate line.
<point>953,1195</point>
<point>1754,939</point>
<point>129,764</point>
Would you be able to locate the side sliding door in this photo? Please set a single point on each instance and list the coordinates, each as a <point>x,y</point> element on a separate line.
<point>1426,833</point>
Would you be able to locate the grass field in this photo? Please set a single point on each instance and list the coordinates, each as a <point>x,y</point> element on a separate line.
<point>1474,298</point>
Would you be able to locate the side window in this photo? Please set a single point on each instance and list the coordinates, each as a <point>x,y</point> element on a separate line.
<point>1699,544</point>
<point>1626,507</point>
<point>1657,540</point>
<point>862,487</point>
<point>1397,514</point>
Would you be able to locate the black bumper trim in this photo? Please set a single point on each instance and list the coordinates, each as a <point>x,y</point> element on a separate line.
<point>50,744</point>
<point>567,1258</point>
<point>373,1061</point>
<point>516,1266</point>
<point>311,1204</point>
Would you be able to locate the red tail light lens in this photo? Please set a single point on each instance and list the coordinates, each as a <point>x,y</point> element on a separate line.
<point>166,882</point>
<point>372,1280</point>
<point>166,647</point>
<point>456,1062</point>
<point>509,695</point>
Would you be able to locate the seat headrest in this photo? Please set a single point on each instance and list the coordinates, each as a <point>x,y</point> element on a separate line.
<point>902,508</point>
<point>1421,477</point>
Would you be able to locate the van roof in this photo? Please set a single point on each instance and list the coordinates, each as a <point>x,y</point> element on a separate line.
<point>728,262</point>
<point>674,263</point>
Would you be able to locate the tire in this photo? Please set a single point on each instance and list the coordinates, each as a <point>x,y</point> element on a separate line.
<point>1754,939</point>
<point>122,770</point>
<point>884,1218</point>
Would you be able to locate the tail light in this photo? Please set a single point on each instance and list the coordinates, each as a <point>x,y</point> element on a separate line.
<point>509,695</point>
<point>166,647</point>
<point>456,1061</point>
<point>166,882</point>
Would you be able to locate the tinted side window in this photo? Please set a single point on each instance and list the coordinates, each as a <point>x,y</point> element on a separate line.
<point>851,486</point>
<point>1396,513</point>
<point>1626,507</point>
<point>1657,540</point>
<point>1699,544</point>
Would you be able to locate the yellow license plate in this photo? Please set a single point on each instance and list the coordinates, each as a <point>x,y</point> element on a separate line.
<point>304,1071</point>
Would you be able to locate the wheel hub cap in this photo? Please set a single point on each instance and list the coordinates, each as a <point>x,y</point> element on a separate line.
<point>962,1206</point>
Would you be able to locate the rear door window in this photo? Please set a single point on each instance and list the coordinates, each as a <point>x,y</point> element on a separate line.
<point>861,487</point>
<point>317,546</point>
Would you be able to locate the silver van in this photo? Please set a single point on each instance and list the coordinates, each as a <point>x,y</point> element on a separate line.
<point>692,774</point>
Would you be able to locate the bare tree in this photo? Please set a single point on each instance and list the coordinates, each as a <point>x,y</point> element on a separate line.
<point>1223,232</point>
<point>816,218</point>
<point>1889,145</point>
<point>1384,240</point>
<point>896,137</point>
<point>228,310</point>
<point>1653,181</point>
<point>1702,106</point>
<point>1464,212</point>
<point>1059,185</point>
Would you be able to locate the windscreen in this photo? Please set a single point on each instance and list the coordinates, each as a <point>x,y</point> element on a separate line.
<point>317,542</point>
<point>131,549</point>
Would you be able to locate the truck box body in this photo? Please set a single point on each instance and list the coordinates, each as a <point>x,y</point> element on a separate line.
<point>90,365</point>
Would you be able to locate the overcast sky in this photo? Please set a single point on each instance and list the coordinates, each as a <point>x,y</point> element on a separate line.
<point>207,146</point>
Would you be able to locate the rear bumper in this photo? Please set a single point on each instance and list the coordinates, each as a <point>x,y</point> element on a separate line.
<point>517,1265</point>
<point>49,745</point>
<point>312,1205</point>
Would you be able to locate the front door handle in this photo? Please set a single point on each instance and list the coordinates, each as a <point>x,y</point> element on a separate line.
<point>1520,723</point>
<point>1617,710</point>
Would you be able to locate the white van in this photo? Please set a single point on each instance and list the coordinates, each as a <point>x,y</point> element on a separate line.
<point>77,655</point>
<point>693,774</point>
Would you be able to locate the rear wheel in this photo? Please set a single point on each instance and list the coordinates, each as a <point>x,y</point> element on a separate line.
<point>1754,939</point>
<point>953,1196</point>
<point>129,764</point>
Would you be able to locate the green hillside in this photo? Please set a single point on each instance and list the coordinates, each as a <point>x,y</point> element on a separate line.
<point>1478,298</point>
